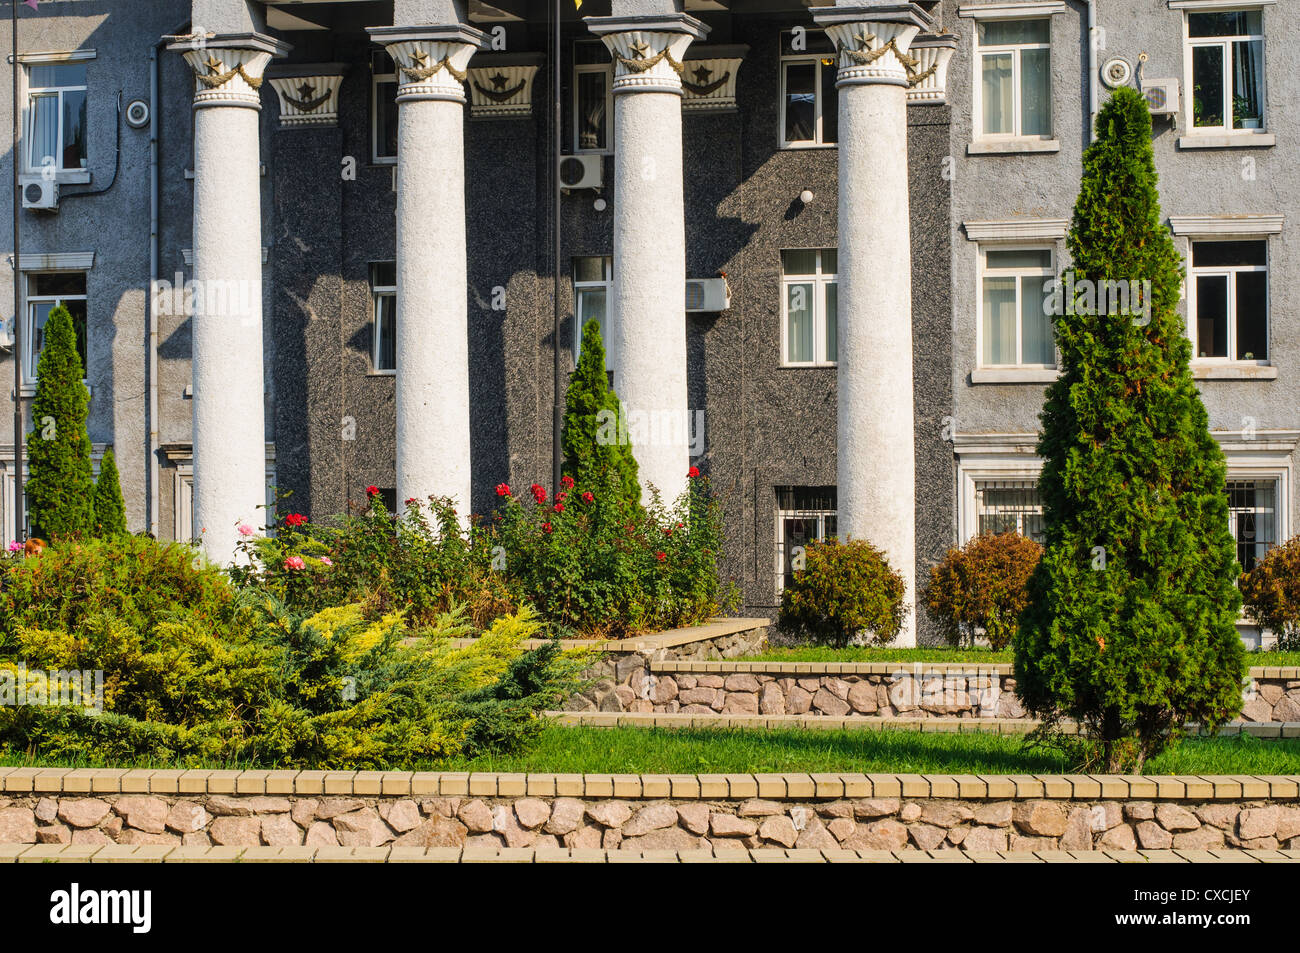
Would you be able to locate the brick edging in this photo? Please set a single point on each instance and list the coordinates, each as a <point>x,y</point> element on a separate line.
<point>647,786</point>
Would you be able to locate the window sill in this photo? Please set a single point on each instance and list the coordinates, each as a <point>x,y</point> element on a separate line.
<point>1230,140</point>
<point>809,366</point>
<point>797,146</point>
<point>65,176</point>
<point>1234,372</point>
<point>994,147</point>
<point>381,373</point>
<point>1014,375</point>
<point>29,390</point>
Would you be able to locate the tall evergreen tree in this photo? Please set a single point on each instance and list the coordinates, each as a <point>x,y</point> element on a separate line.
<point>1130,628</point>
<point>60,489</point>
<point>110,511</point>
<point>594,451</point>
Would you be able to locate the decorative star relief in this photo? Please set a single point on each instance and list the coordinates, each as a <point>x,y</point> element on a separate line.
<point>217,75</point>
<point>420,68</point>
<point>306,103</point>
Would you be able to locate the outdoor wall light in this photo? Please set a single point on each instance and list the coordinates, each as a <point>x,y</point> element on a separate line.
<point>599,205</point>
<point>806,196</point>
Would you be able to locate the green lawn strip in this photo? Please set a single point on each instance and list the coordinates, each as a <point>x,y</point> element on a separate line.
<point>817,653</point>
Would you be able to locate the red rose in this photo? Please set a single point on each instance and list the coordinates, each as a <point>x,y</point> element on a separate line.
<point>561,497</point>
<point>566,481</point>
<point>668,531</point>
<point>294,519</point>
<point>588,497</point>
<point>503,489</point>
<point>372,491</point>
<point>559,507</point>
<point>693,472</point>
<point>661,556</point>
<point>546,527</point>
<point>539,492</point>
<point>410,501</point>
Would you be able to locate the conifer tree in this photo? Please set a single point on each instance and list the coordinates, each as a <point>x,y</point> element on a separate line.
<point>110,511</point>
<point>60,489</point>
<point>594,450</point>
<point>1130,627</point>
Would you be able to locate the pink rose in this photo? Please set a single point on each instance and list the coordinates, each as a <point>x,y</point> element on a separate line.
<point>326,561</point>
<point>245,529</point>
<point>294,562</point>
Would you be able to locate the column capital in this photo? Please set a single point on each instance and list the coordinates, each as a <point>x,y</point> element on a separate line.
<point>432,61</point>
<point>308,93</point>
<point>872,41</point>
<point>227,67</point>
<point>648,50</point>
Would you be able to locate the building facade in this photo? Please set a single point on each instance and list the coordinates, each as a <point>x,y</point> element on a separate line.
<point>311,248</point>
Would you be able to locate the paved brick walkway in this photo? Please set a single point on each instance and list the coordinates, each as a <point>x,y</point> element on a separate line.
<point>125,853</point>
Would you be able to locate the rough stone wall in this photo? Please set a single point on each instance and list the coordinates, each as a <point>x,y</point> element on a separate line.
<point>630,683</point>
<point>881,823</point>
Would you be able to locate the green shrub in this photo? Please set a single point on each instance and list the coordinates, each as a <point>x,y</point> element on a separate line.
<point>110,511</point>
<point>424,563</point>
<point>61,489</point>
<point>1271,594</point>
<point>596,562</point>
<point>133,579</point>
<point>844,590</point>
<point>980,588</point>
<point>281,688</point>
<point>1131,628</point>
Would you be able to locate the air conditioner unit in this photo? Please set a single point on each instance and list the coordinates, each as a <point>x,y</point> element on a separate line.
<point>40,192</point>
<point>1162,96</point>
<point>707,294</point>
<point>581,172</point>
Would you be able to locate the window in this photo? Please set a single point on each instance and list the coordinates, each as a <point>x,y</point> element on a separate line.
<point>383,107</point>
<point>593,97</point>
<point>45,292</point>
<point>1014,327</point>
<point>1229,301</point>
<point>1225,64</point>
<point>803,513</point>
<point>591,278</point>
<point>1252,516</point>
<point>809,101</point>
<point>1009,505</point>
<point>383,291</point>
<point>56,118</point>
<point>809,306</point>
<point>1013,88</point>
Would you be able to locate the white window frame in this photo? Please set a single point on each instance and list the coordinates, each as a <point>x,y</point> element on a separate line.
<point>376,293</point>
<point>983,271</point>
<point>608,70</point>
<point>977,81</point>
<point>1230,272</point>
<point>819,280</point>
<point>1226,43</point>
<point>606,283</point>
<point>375,80</point>
<point>787,59</point>
<point>29,356</point>
<point>1264,474</point>
<point>778,550</point>
<point>67,176</point>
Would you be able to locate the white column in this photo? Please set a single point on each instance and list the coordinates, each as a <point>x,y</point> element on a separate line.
<point>876,464</point>
<point>226,323</point>
<point>433,449</point>
<point>648,296</point>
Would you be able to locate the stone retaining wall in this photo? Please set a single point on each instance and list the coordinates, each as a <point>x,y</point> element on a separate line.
<point>646,812</point>
<point>867,689</point>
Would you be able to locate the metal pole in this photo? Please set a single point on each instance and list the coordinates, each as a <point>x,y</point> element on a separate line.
<point>557,422</point>
<point>19,528</point>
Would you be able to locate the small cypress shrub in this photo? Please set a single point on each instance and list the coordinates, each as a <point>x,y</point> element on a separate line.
<point>110,511</point>
<point>591,410</point>
<point>1130,629</point>
<point>61,489</point>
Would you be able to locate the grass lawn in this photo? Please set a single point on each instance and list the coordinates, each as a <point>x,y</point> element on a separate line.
<point>821,653</point>
<point>583,750</point>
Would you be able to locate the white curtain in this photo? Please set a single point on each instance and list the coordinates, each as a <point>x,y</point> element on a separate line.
<point>997,94</point>
<point>999,321</point>
<point>799,318</point>
<point>44,130</point>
